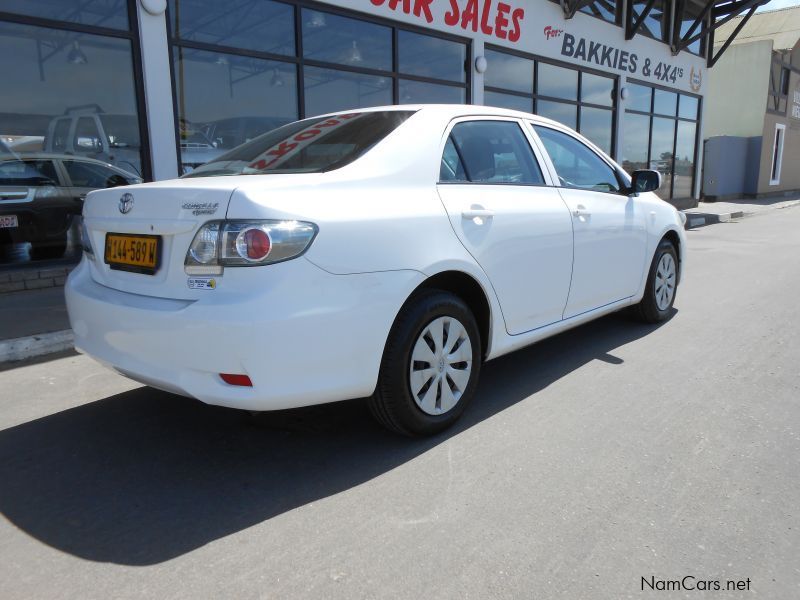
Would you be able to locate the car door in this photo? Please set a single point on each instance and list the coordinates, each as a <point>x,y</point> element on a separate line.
<point>516,227</point>
<point>610,230</point>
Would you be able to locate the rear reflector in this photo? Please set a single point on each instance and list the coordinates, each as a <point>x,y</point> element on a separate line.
<point>234,379</point>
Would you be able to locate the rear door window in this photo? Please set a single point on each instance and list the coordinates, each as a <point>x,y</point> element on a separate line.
<point>489,152</point>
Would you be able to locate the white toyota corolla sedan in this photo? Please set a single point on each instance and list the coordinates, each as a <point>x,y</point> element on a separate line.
<point>382,253</point>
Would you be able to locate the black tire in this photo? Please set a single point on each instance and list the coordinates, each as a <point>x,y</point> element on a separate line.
<point>393,404</point>
<point>45,250</point>
<point>648,310</point>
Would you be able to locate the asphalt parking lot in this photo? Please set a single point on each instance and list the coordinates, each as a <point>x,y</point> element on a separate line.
<point>609,454</point>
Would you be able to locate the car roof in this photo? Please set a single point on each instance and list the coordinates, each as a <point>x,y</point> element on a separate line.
<point>53,156</point>
<point>454,111</point>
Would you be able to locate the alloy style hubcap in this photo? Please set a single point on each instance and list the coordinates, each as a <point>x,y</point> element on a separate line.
<point>441,364</point>
<point>665,282</point>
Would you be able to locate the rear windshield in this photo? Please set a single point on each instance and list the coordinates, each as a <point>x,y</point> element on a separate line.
<point>310,146</point>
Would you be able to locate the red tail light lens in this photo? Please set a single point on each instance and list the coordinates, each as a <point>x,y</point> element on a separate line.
<point>236,379</point>
<point>253,244</point>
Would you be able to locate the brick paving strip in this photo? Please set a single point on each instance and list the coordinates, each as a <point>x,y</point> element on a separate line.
<point>17,280</point>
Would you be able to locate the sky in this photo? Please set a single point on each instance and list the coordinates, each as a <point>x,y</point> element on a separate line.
<point>776,4</point>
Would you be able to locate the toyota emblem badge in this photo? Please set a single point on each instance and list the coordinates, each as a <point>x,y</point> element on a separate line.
<point>126,203</point>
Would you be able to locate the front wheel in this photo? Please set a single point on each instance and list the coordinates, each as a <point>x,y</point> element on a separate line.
<point>430,366</point>
<point>662,284</point>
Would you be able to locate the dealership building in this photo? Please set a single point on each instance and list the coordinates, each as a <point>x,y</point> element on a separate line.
<point>160,87</point>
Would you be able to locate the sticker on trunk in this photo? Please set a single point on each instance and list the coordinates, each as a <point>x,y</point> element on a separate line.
<point>202,283</point>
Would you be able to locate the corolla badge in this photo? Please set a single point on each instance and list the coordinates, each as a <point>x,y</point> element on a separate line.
<point>126,203</point>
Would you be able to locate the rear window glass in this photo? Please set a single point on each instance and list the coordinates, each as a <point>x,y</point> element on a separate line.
<point>309,146</point>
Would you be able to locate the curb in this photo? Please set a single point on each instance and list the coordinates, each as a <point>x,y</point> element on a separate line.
<point>699,219</point>
<point>695,220</point>
<point>36,345</point>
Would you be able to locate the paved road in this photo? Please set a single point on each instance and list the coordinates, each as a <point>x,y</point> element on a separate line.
<point>613,452</point>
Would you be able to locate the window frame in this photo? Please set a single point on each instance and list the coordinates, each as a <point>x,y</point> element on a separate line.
<point>536,151</point>
<point>778,144</point>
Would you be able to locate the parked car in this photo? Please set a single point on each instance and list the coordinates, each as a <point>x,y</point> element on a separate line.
<point>40,193</point>
<point>383,252</point>
<point>89,131</point>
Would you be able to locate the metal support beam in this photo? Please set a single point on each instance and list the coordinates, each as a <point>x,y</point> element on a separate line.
<point>679,42</point>
<point>632,28</point>
<point>714,57</point>
<point>570,7</point>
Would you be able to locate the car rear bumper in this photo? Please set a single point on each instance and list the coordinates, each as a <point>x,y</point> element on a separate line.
<point>302,335</point>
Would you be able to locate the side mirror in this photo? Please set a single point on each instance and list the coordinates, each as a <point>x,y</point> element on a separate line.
<point>645,181</point>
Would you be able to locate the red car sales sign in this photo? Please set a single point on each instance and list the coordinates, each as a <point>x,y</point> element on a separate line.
<point>539,27</point>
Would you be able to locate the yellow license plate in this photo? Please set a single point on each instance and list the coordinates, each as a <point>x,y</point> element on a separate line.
<point>137,253</point>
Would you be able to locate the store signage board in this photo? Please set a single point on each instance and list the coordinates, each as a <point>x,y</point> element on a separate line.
<point>796,103</point>
<point>541,29</point>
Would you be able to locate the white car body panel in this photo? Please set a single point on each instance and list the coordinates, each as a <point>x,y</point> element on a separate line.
<point>312,329</point>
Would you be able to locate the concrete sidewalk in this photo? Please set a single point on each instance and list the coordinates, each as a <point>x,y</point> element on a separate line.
<point>709,213</point>
<point>33,323</point>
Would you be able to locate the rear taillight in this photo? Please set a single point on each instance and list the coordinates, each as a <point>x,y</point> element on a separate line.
<point>86,242</point>
<point>219,244</point>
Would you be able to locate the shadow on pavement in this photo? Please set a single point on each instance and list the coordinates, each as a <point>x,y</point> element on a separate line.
<point>145,476</point>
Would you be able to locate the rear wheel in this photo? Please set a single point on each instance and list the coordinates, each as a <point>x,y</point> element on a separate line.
<point>430,366</point>
<point>662,284</point>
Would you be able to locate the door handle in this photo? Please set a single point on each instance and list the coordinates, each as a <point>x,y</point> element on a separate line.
<point>477,213</point>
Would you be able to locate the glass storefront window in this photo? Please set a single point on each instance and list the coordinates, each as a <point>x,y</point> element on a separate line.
<point>636,142</point>
<point>346,41</point>
<point>269,26</point>
<point>567,114</point>
<point>224,100</point>
<point>596,89</point>
<point>688,106</point>
<point>665,103</point>
<point>557,82</point>
<point>69,93</point>
<point>508,101</point>
<point>661,149</point>
<point>639,97</point>
<point>596,124</point>
<point>99,13</point>
<point>255,80</point>
<point>428,56</point>
<point>662,138</point>
<point>684,159</point>
<point>508,72</point>
<point>328,90</point>
<point>419,92</point>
